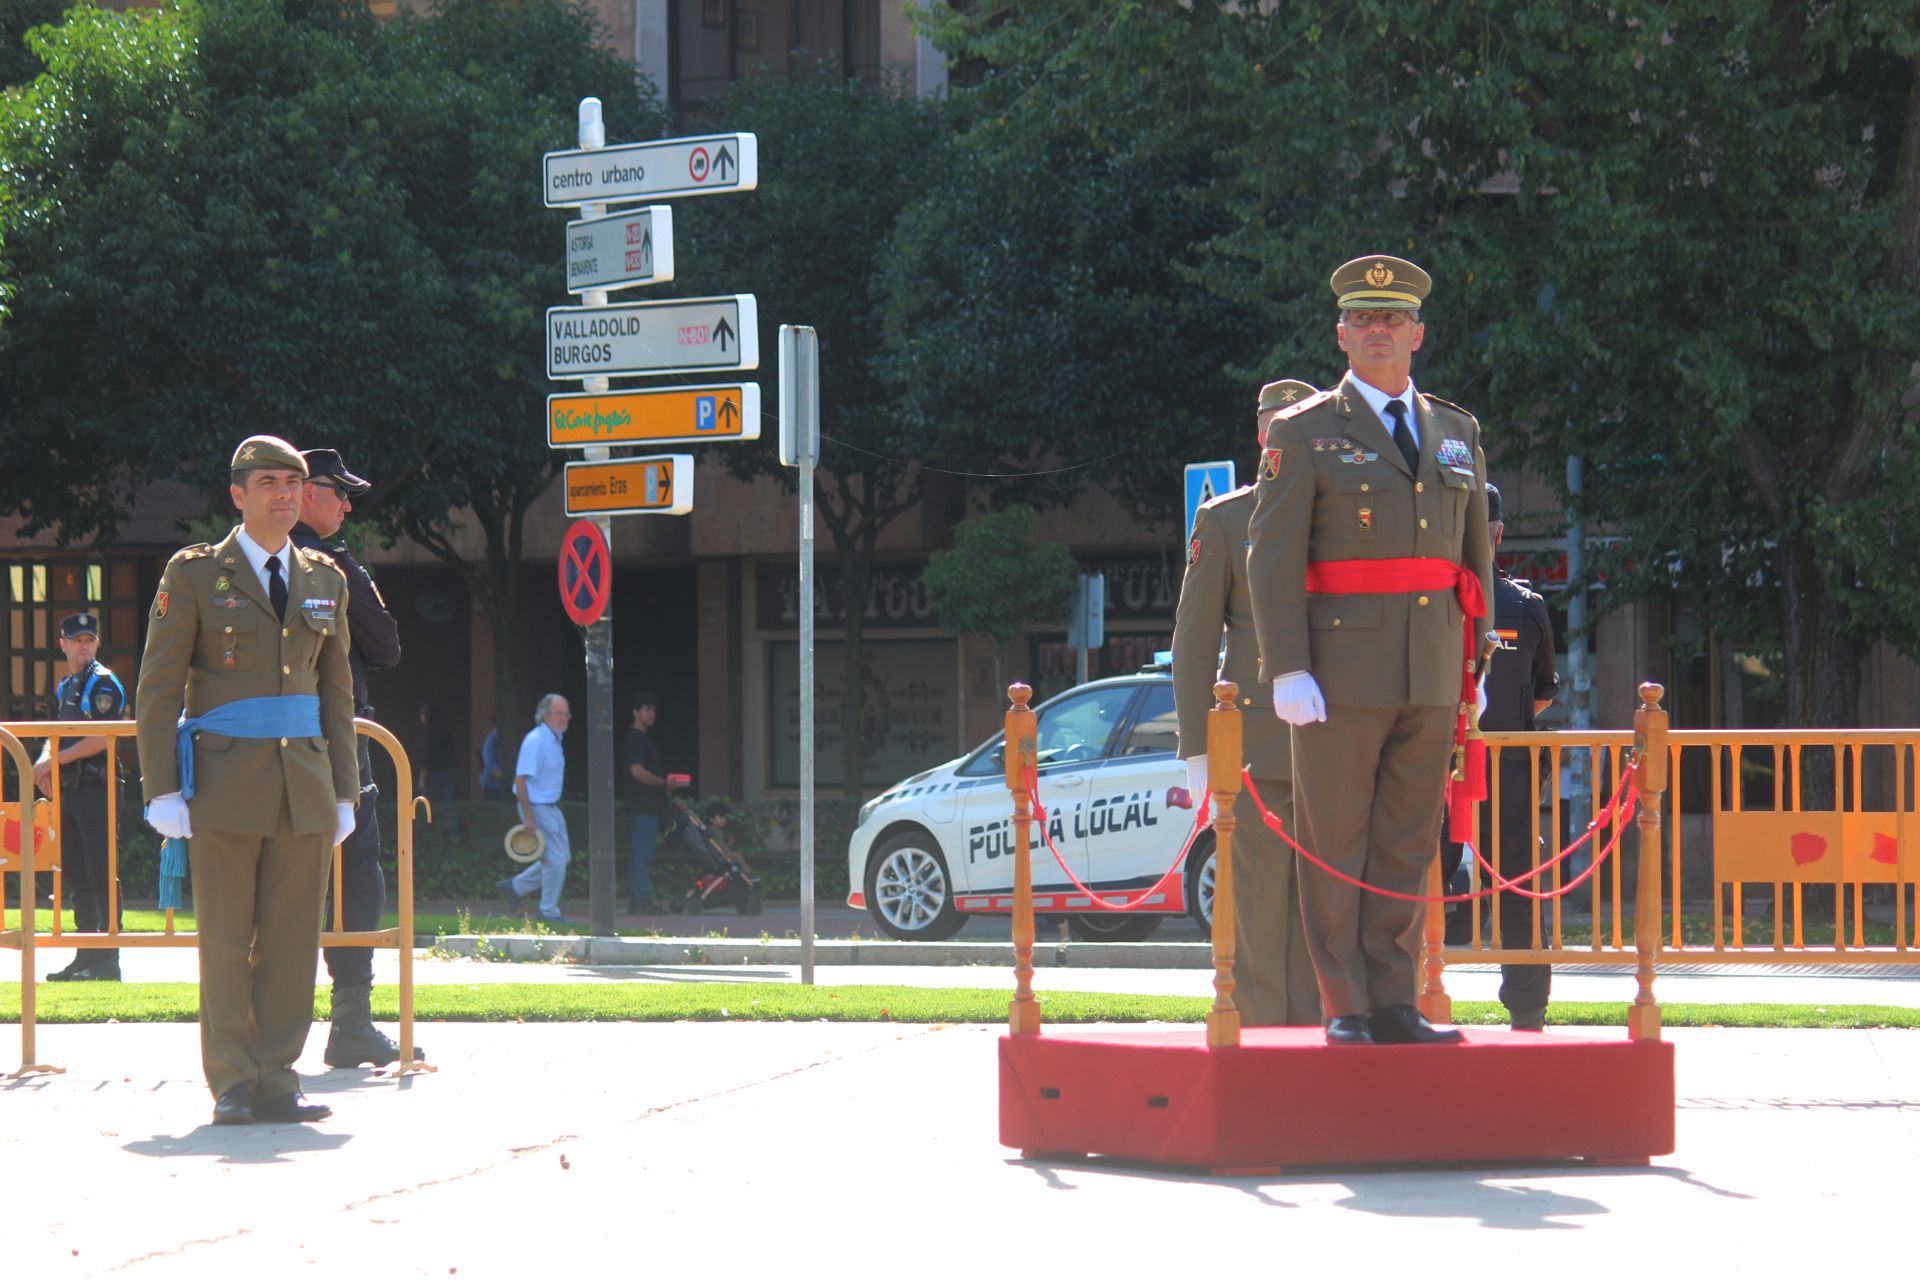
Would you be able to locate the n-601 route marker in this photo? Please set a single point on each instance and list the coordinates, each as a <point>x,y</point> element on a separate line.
<point>657,486</point>
<point>636,338</point>
<point>712,165</point>
<point>666,415</point>
<point>620,250</point>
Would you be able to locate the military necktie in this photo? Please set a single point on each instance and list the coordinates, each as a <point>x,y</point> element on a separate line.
<point>277,587</point>
<point>1403,435</point>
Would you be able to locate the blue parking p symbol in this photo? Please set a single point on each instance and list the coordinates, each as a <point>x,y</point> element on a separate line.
<point>704,416</point>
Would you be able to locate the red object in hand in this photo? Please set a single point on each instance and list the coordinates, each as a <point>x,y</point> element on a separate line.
<point>679,779</point>
<point>1808,847</point>
<point>1179,798</point>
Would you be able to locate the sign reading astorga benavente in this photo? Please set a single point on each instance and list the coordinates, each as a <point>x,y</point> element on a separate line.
<point>654,337</point>
<point>652,170</point>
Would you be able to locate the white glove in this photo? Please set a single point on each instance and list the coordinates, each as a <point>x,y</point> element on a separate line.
<point>1197,777</point>
<point>1480,695</point>
<point>1297,700</point>
<point>344,821</point>
<point>167,814</point>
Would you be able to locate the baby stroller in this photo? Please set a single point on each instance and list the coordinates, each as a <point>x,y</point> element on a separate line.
<point>723,878</point>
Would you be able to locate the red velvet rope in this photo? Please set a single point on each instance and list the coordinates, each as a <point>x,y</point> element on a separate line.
<point>1040,816</point>
<point>1616,813</point>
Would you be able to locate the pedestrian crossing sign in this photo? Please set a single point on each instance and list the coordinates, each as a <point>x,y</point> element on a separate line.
<point>1205,482</point>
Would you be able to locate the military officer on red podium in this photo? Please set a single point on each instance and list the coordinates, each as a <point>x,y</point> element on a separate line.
<point>1370,570</point>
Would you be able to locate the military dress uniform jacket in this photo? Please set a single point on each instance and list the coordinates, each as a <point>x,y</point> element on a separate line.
<point>1214,595</point>
<point>1333,486</point>
<point>213,639</point>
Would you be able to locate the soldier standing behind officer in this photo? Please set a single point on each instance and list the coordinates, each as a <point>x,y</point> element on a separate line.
<point>1520,685</point>
<point>88,692</point>
<point>1272,973</point>
<point>246,752</point>
<point>1369,566</point>
<point>324,504</point>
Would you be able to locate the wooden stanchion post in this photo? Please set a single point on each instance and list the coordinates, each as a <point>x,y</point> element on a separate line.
<point>1223,780</point>
<point>1023,1015</point>
<point>1435,1004</point>
<point>1650,750</point>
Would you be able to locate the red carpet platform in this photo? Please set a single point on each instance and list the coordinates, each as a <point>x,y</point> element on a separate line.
<point>1284,1097</point>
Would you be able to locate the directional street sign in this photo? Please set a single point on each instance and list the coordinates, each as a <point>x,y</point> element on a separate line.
<point>620,251</point>
<point>669,415</point>
<point>1205,482</point>
<point>713,165</point>
<point>657,486</point>
<point>637,338</point>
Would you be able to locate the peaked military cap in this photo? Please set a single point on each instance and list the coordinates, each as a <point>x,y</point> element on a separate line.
<point>325,464</point>
<point>1287,391</point>
<point>267,453</point>
<point>79,624</point>
<point>1380,283</point>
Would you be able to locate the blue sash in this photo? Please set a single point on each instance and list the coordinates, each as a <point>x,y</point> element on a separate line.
<point>288,715</point>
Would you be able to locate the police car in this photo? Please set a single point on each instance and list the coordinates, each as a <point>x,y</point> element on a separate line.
<point>932,850</point>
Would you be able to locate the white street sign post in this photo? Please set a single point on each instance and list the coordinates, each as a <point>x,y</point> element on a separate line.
<point>800,447</point>
<point>683,335</point>
<point>620,250</point>
<point>713,165</point>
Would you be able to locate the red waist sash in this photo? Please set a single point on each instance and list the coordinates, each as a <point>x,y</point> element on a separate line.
<point>1425,573</point>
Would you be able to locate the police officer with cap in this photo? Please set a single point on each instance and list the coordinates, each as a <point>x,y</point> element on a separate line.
<point>327,498</point>
<point>1520,685</point>
<point>89,691</point>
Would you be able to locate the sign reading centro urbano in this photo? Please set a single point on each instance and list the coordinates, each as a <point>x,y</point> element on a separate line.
<point>621,250</point>
<point>654,337</point>
<point>667,415</point>
<point>715,165</point>
<point>656,486</point>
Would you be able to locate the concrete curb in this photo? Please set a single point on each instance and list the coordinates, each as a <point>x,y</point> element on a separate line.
<point>786,951</point>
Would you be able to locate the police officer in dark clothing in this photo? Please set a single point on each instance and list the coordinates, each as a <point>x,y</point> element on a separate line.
<point>328,497</point>
<point>1520,685</point>
<point>88,692</point>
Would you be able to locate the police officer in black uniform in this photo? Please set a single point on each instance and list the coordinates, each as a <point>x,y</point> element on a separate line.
<point>328,497</point>
<point>88,692</point>
<point>1520,685</point>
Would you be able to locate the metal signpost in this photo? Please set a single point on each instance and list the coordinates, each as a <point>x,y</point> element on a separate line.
<point>594,342</point>
<point>713,165</point>
<point>657,486</point>
<point>659,415</point>
<point>1205,482</point>
<point>800,447</point>
<point>620,250</point>
<point>1087,629</point>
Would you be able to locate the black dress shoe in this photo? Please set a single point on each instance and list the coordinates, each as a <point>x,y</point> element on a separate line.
<point>1348,1028</point>
<point>1403,1024</point>
<point>76,970</point>
<point>235,1106</point>
<point>290,1108</point>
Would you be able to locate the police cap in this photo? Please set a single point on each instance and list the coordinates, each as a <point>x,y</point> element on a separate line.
<point>267,453</point>
<point>325,464</point>
<point>1493,504</point>
<point>79,624</point>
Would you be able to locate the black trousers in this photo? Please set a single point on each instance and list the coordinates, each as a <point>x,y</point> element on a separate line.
<point>85,843</point>
<point>363,886</point>
<point>1522,986</point>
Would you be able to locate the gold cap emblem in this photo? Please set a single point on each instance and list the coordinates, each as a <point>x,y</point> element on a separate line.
<point>1379,275</point>
<point>246,454</point>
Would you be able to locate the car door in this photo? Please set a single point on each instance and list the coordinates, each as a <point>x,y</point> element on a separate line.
<point>1133,833</point>
<point>1075,734</point>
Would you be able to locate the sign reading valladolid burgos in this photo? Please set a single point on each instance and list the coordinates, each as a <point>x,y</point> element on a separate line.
<point>640,338</point>
<point>713,165</point>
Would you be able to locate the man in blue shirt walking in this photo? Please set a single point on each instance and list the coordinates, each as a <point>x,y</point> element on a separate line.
<point>537,782</point>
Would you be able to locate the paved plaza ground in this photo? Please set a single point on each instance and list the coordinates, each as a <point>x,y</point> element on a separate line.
<point>811,1149</point>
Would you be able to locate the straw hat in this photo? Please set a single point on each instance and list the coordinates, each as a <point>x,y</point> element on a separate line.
<point>525,844</point>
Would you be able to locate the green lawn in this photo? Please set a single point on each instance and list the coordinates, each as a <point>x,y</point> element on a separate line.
<point>785,1002</point>
<point>425,924</point>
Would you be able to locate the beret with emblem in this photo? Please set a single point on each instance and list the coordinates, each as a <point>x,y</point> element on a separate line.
<point>267,453</point>
<point>1380,283</point>
<point>1287,391</point>
<point>79,624</point>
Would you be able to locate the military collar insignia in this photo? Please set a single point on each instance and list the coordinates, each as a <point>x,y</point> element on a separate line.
<point>222,584</point>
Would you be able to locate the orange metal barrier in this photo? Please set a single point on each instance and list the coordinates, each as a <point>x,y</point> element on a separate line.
<point>31,829</point>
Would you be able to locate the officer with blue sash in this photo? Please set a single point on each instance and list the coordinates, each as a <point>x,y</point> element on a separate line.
<point>89,691</point>
<point>247,754</point>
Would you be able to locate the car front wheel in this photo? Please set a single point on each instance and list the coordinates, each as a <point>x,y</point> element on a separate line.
<point>1200,886</point>
<point>1114,926</point>
<point>909,891</point>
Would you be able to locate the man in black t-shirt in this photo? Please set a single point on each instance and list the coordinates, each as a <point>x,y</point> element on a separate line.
<point>647,790</point>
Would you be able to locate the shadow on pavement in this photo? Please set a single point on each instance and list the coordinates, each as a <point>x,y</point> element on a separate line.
<point>242,1144</point>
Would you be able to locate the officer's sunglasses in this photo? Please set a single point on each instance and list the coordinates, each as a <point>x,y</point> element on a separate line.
<point>335,489</point>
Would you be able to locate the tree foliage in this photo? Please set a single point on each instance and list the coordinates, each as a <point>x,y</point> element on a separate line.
<point>996,580</point>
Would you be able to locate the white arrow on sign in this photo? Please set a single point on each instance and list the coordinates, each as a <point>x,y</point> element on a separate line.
<point>621,250</point>
<point>639,338</point>
<point>706,166</point>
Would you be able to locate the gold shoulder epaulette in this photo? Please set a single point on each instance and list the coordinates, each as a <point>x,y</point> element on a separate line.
<point>198,551</point>
<point>321,557</point>
<point>1295,410</point>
